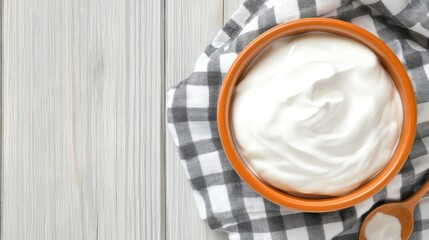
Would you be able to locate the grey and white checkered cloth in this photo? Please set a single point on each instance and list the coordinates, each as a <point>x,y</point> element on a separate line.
<point>228,204</point>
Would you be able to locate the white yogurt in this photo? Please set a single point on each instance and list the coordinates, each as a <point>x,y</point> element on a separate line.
<point>316,114</point>
<point>383,226</point>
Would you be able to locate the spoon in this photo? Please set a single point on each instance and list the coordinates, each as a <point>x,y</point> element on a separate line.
<point>403,211</point>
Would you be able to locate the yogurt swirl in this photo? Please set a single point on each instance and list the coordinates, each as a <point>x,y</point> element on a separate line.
<point>317,114</point>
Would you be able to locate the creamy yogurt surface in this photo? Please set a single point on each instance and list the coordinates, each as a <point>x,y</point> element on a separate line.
<point>383,226</point>
<point>316,113</point>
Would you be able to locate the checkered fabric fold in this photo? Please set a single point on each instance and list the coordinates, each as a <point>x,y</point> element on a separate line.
<point>228,204</point>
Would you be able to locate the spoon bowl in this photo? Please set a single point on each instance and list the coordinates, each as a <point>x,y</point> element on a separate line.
<point>398,210</point>
<point>403,211</point>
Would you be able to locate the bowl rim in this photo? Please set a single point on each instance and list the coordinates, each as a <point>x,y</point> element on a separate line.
<point>391,64</point>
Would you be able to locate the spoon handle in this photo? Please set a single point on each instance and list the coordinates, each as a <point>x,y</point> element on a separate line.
<point>415,198</point>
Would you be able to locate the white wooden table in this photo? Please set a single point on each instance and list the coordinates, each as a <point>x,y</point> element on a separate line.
<point>85,150</point>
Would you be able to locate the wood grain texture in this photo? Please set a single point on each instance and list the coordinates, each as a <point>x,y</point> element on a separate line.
<point>190,26</point>
<point>85,151</point>
<point>83,97</point>
<point>230,6</point>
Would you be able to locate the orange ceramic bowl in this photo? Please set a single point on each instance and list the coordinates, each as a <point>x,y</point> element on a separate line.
<point>391,64</point>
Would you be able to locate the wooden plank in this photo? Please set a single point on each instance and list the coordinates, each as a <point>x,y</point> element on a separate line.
<point>83,105</point>
<point>190,26</point>
<point>1,119</point>
<point>230,6</point>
